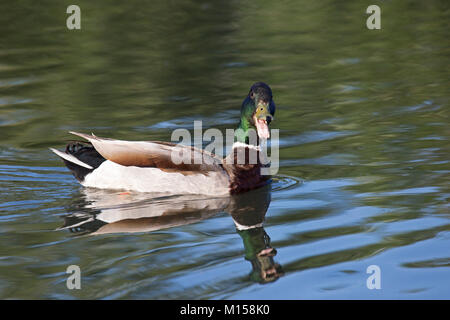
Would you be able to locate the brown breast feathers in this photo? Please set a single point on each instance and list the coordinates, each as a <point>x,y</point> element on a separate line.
<point>243,165</point>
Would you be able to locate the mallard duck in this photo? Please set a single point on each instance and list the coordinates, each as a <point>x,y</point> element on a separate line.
<point>147,166</point>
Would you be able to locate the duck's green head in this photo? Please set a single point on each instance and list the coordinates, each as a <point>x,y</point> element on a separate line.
<point>257,112</point>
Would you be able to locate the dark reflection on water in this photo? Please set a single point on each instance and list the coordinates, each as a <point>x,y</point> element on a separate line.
<point>364,152</point>
<point>104,212</point>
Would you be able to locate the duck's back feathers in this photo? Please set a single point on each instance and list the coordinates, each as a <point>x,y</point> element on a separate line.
<point>166,156</point>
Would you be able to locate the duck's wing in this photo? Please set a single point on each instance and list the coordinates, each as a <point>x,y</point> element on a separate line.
<point>163,155</point>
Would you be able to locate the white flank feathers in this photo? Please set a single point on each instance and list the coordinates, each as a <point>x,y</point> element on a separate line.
<point>110,175</point>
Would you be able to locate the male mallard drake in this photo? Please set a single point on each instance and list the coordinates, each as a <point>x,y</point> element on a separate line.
<point>148,166</point>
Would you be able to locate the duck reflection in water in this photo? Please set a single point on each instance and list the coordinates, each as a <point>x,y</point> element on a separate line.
<point>106,212</point>
<point>248,211</point>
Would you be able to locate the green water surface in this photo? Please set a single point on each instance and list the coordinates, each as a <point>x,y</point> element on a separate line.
<point>364,149</point>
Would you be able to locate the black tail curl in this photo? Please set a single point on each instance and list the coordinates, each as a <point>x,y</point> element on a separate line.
<point>85,152</point>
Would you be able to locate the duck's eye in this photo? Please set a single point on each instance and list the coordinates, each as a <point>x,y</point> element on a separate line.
<point>251,95</point>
